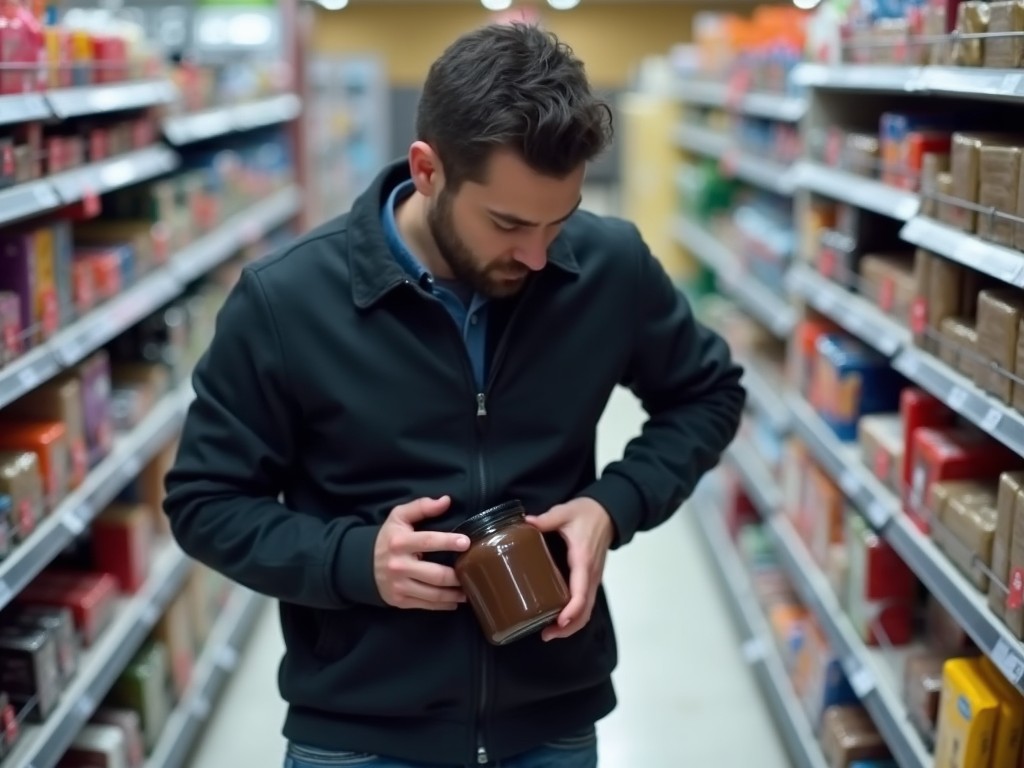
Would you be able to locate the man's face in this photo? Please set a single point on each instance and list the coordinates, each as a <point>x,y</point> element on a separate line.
<point>495,233</point>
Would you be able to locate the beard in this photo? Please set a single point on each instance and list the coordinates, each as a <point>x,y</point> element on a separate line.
<point>495,281</point>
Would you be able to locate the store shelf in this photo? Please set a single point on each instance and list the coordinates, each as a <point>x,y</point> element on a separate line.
<point>64,103</point>
<point>1006,264</point>
<point>970,82</point>
<point>854,313</point>
<point>756,478</point>
<point>754,297</point>
<point>759,172</point>
<point>770,106</point>
<point>869,675</point>
<point>763,398</point>
<point>703,141</point>
<point>43,746</point>
<point>217,661</point>
<point>963,396</point>
<point>104,323</point>
<point>29,199</point>
<point>757,645</point>
<point>23,108</point>
<point>115,173</point>
<point>869,194</point>
<point>211,123</point>
<point>882,508</point>
<point>54,533</point>
<point>238,231</point>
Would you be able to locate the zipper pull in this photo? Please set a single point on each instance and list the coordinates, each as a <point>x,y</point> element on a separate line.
<point>482,757</point>
<point>481,405</point>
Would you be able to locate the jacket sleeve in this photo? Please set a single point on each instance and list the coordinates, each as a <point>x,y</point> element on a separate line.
<point>237,448</point>
<point>688,384</point>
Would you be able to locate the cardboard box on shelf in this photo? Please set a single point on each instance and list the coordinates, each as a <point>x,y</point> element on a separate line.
<point>1011,485</point>
<point>998,189</point>
<point>999,315</point>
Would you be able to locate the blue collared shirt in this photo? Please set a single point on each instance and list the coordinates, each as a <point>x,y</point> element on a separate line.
<point>471,320</point>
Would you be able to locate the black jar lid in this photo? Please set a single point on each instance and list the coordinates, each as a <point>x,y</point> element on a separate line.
<point>491,519</point>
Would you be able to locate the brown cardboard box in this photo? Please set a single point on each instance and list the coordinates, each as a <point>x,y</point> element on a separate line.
<point>959,345</point>
<point>932,164</point>
<point>922,688</point>
<point>965,168</point>
<point>971,18</point>
<point>882,440</point>
<point>999,315</point>
<point>849,735</point>
<point>972,529</point>
<point>1011,484</point>
<point>887,280</point>
<point>945,298</point>
<point>1005,52</point>
<point>948,212</point>
<point>1014,617</point>
<point>1018,369</point>
<point>997,190</point>
<point>970,493</point>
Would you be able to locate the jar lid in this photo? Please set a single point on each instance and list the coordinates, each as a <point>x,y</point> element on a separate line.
<point>491,519</point>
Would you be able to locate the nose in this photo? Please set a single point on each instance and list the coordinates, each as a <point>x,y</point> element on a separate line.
<point>533,256</point>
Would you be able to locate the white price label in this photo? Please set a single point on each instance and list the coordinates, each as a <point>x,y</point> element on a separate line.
<point>957,398</point>
<point>1009,661</point>
<point>992,419</point>
<point>849,483</point>
<point>85,706</point>
<point>1010,85</point>
<point>825,302</point>
<point>77,519</point>
<point>877,514</point>
<point>227,658</point>
<point>131,468</point>
<point>753,650</point>
<point>862,682</point>
<point>150,614</point>
<point>28,378</point>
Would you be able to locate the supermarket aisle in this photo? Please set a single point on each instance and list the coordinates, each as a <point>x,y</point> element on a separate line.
<point>686,697</point>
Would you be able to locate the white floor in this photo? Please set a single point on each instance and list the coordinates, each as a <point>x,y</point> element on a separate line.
<point>686,697</point>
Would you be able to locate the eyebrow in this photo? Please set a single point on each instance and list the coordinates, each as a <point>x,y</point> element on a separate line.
<point>510,218</point>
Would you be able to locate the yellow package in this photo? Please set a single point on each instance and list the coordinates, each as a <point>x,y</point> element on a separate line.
<point>968,713</point>
<point>1010,728</point>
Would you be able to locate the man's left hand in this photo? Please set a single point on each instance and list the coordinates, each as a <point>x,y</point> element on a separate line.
<point>588,532</point>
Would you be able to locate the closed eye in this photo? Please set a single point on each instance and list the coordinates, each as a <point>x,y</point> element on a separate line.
<point>504,227</point>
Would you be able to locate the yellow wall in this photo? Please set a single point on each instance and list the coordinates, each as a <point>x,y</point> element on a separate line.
<point>611,38</point>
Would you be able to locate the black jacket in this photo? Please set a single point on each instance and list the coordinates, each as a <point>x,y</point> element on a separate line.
<point>339,386</point>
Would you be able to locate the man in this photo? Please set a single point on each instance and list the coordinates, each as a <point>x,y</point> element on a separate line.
<point>448,345</point>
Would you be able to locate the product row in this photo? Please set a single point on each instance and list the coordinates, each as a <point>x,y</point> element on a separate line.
<point>52,272</point>
<point>757,137</point>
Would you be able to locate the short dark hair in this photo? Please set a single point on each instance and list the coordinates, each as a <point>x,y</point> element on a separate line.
<point>515,86</point>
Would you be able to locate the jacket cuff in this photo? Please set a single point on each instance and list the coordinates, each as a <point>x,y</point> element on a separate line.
<point>353,568</point>
<point>622,501</point>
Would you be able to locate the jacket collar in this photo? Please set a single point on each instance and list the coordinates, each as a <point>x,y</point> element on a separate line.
<point>374,270</point>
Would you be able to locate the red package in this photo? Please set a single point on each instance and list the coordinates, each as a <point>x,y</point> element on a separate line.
<point>952,454</point>
<point>881,588</point>
<point>122,543</point>
<point>916,145</point>
<point>91,598</point>
<point>918,409</point>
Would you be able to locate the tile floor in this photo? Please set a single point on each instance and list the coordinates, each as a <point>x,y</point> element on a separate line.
<point>685,696</point>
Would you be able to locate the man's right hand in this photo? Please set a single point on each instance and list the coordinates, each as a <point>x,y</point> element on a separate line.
<point>404,579</point>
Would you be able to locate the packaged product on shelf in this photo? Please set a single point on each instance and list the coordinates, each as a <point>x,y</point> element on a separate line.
<point>1009,735</point>
<point>61,401</point>
<point>881,441</point>
<point>135,390</point>
<point>852,380</point>
<point>819,677</point>
<point>11,330</point>
<point>199,617</point>
<point>1013,614</point>
<point>7,526</point>
<point>998,188</point>
<point>943,296</point>
<point>127,720</point>
<point>918,409</point>
<point>943,633</point>
<point>932,165</point>
<point>61,625</point>
<point>848,735</point>
<point>803,355</point>
<point>174,631</point>
<point>1005,16</point>
<point>999,316</point>
<point>1011,485</point>
<point>1018,369</point>
<point>953,454</point>
<point>946,208</point>
<point>141,687</point>
<point>904,140</point>
<point>861,154</point>
<point>29,672</point>
<point>965,168</point>
<point>19,275</point>
<point>49,441</point>
<point>21,478</point>
<point>970,530</point>
<point>122,544</point>
<point>91,598</point>
<point>972,18</point>
<point>922,688</point>
<point>881,588</point>
<point>10,727</point>
<point>958,345</point>
<point>888,281</point>
<point>97,745</point>
<point>821,525</point>
<point>93,375</point>
<point>968,713</point>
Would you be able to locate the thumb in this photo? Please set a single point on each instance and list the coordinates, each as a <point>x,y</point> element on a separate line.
<point>550,521</point>
<point>420,509</point>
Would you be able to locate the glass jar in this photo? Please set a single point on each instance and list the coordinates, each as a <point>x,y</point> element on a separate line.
<point>508,574</point>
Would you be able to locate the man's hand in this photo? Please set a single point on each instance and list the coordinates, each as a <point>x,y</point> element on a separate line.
<point>588,531</point>
<point>404,580</point>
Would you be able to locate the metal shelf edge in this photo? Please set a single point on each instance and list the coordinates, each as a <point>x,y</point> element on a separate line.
<point>1006,264</point>
<point>869,194</point>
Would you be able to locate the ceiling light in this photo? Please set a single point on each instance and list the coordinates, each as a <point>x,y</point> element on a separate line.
<point>496,5</point>
<point>332,5</point>
<point>563,5</point>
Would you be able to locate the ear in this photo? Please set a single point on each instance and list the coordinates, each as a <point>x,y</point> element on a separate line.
<point>426,169</point>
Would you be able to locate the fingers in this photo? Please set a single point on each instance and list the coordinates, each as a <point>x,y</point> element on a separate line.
<point>432,574</point>
<point>581,601</point>
<point>416,591</point>
<point>551,520</point>
<point>420,509</point>
<point>430,541</point>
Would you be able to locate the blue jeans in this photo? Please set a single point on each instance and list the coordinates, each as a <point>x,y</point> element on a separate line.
<point>576,751</point>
